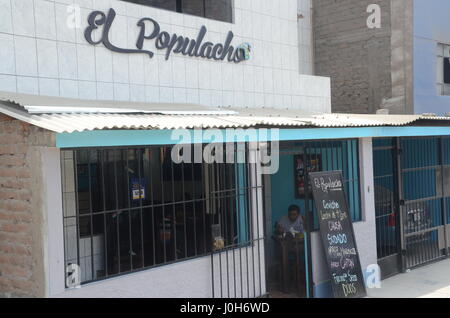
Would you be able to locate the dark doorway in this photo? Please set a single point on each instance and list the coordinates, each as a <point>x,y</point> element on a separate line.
<point>289,186</point>
<point>386,205</point>
<point>411,201</point>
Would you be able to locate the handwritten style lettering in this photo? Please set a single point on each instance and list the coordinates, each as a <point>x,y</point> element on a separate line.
<point>337,234</point>
<point>176,44</point>
<point>326,185</point>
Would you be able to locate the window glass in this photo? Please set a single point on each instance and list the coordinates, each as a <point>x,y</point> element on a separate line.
<point>194,7</point>
<point>213,9</point>
<point>132,208</point>
<point>163,4</point>
<point>446,70</point>
<point>447,89</point>
<point>218,10</point>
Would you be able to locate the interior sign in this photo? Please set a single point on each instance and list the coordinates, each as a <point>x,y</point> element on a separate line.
<point>177,44</point>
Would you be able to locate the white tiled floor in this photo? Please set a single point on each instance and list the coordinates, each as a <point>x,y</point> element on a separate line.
<point>431,281</point>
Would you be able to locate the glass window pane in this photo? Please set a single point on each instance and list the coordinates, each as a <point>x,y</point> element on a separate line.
<point>122,179</point>
<point>109,166</point>
<point>446,70</point>
<point>149,236</point>
<point>124,241</point>
<point>112,246</point>
<point>147,210</point>
<point>83,181</point>
<point>163,4</point>
<point>219,10</point>
<point>136,239</point>
<point>96,175</point>
<point>446,89</point>
<point>98,246</point>
<point>194,7</point>
<point>446,50</point>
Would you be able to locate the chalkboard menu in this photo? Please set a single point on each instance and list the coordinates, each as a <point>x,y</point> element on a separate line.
<point>337,234</point>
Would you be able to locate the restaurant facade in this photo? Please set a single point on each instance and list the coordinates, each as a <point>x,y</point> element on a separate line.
<point>149,148</point>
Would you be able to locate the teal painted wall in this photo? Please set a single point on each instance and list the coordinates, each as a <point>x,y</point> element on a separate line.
<point>337,155</point>
<point>283,191</point>
<point>111,138</point>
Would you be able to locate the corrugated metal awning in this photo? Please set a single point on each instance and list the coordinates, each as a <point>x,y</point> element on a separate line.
<point>69,115</point>
<point>36,104</point>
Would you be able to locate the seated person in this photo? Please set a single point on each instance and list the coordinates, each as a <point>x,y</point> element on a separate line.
<point>294,271</point>
<point>292,222</point>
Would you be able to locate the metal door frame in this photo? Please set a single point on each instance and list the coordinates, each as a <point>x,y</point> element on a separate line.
<point>253,284</point>
<point>404,206</point>
<point>393,262</point>
<point>308,227</point>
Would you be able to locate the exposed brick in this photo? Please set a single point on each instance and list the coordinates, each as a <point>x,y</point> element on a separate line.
<point>23,285</point>
<point>24,195</point>
<point>15,216</point>
<point>13,160</point>
<point>15,271</point>
<point>16,260</point>
<point>4,118</point>
<point>13,149</point>
<point>14,183</point>
<point>15,205</point>
<point>9,139</point>
<point>20,253</point>
<point>20,238</point>
<point>7,149</point>
<point>15,228</point>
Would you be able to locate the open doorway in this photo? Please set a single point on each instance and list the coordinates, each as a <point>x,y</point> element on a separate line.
<point>287,244</point>
<point>304,267</point>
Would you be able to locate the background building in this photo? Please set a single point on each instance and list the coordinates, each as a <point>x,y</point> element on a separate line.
<point>393,67</point>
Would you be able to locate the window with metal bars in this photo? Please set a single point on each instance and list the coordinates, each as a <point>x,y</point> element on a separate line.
<point>127,209</point>
<point>212,9</point>
<point>297,158</point>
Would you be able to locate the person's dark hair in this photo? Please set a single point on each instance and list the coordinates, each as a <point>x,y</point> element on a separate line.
<point>294,207</point>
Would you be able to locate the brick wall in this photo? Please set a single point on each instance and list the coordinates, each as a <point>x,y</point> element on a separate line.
<point>357,59</point>
<point>21,208</point>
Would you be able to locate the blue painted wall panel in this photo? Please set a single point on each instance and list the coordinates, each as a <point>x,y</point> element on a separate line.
<point>431,26</point>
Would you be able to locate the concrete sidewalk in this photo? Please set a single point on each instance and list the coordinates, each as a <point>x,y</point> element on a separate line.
<point>431,281</point>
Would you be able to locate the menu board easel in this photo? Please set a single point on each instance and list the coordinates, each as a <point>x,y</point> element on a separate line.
<point>337,234</point>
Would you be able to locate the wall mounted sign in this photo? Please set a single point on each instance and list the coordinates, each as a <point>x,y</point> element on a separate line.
<point>176,44</point>
<point>137,188</point>
<point>338,238</point>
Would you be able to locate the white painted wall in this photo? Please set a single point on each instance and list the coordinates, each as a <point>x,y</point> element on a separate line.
<point>182,280</point>
<point>188,279</point>
<point>365,232</point>
<point>41,55</point>
<point>53,222</point>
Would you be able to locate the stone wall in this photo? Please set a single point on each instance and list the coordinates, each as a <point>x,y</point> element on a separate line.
<point>21,208</point>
